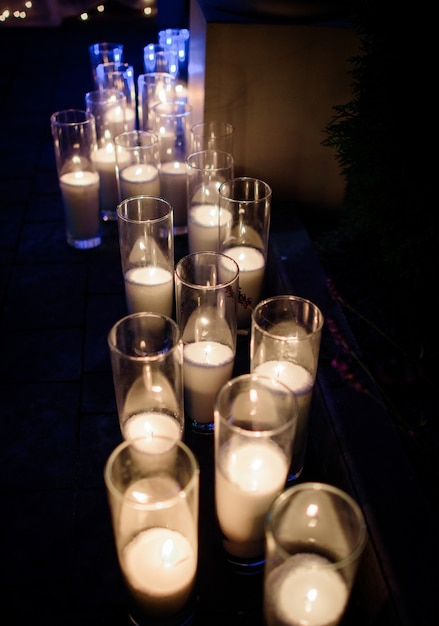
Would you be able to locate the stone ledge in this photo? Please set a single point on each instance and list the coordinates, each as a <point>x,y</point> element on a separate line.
<point>353,444</point>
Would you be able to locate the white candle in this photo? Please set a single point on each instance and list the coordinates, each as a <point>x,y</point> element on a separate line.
<point>152,424</point>
<point>248,477</point>
<point>182,93</point>
<point>300,381</point>
<point>207,366</point>
<point>173,188</point>
<point>120,119</point>
<point>206,227</point>
<point>305,590</point>
<point>251,263</point>
<point>167,145</point>
<point>80,192</point>
<point>105,161</point>
<point>149,288</point>
<point>159,565</point>
<point>130,118</point>
<point>140,179</point>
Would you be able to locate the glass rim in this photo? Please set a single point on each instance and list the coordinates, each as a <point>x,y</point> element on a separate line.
<point>261,381</point>
<point>175,31</point>
<point>105,45</point>
<point>228,127</point>
<point>127,134</point>
<point>146,358</point>
<point>268,192</point>
<point>227,156</point>
<point>165,502</point>
<point>159,201</point>
<point>113,66</point>
<point>186,109</point>
<point>287,297</point>
<point>154,75</point>
<point>87,117</point>
<point>104,96</point>
<point>314,486</point>
<point>216,255</point>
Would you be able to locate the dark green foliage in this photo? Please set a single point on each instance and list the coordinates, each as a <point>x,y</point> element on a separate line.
<point>383,254</point>
<point>382,140</point>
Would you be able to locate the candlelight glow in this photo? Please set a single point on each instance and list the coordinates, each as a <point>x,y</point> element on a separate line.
<point>311,596</point>
<point>312,512</point>
<point>168,553</point>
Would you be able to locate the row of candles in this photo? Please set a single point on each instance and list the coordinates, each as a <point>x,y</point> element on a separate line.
<point>308,537</point>
<point>159,181</point>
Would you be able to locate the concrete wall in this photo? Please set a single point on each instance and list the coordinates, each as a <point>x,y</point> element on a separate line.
<point>277,84</point>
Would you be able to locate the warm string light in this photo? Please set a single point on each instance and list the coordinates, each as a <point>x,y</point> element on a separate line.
<point>24,11</point>
<point>20,13</point>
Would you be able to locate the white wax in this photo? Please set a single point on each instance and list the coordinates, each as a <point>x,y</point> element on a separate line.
<point>80,192</point>
<point>159,565</point>
<point>173,188</point>
<point>120,119</point>
<point>207,366</point>
<point>149,288</point>
<point>167,145</point>
<point>248,477</point>
<point>300,381</point>
<point>152,424</point>
<point>206,227</point>
<point>130,118</point>
<point>305,590</point>
<point>251,263</point>
<point>105,161</point>
<point>140,179</point>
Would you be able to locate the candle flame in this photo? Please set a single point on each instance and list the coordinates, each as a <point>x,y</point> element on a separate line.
<point>311,596</point>
<point>312,512</point>
<point>149,431</point>
<point>256,464</point>
<point>169,554</point>
<point>278,371</point>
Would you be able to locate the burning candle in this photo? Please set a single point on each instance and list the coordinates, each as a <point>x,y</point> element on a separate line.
<point>251,263</point>
<point>206,227</point>
<point>154,500</point>
<point>139,180</point>
<point>130,118</point>
<point>149,288</point>
<point>207,365</point>
<point>300,381</point>
<point>152,424</point>
<point>105,161</point>
<point>159,565</point>
<point>80,192</point>
<point>305,590</point>
<point>249,475</point>
<point>173,188</point>
<point>167,144</point>
<point>120,119</point>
